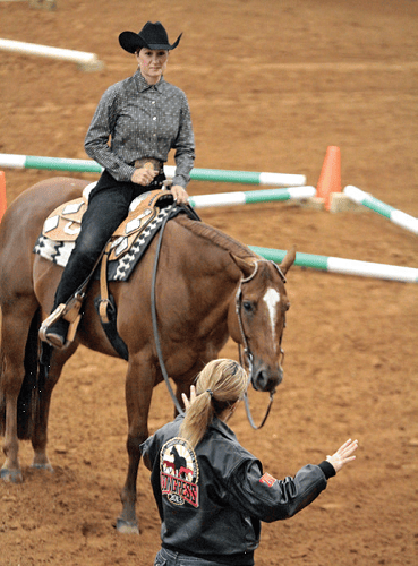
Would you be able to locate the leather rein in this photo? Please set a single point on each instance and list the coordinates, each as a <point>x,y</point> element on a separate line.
<point>155,325</point>
<point>249,356</point>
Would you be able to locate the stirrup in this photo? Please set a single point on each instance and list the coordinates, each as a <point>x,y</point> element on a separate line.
<point>58,313</point>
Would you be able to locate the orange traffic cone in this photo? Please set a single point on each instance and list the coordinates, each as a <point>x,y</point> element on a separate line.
<point>3,199</point>
<point>330,178</point>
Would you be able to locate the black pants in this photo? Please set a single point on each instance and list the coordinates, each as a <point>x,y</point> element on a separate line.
<point>108,207</point>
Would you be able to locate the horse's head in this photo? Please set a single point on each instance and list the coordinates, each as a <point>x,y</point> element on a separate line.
<point>257,315</point>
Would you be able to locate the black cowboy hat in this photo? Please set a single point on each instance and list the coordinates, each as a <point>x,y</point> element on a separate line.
<point>152,36</point>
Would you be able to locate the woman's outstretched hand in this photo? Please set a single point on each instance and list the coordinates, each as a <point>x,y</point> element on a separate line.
<point>343,455</point>
<point>187,402</point>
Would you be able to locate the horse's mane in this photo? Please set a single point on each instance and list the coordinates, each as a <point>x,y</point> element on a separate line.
<point>215,236</point>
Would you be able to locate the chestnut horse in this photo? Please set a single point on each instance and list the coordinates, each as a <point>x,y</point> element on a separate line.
<point>200,272</point>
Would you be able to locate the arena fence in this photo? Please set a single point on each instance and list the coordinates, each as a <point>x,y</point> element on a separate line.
<point>12,161</point>
<point>86,61</point>
<point>396,216</point>
<point>344,266</point>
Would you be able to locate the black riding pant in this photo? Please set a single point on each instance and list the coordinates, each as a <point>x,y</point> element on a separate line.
<point>108,207</point>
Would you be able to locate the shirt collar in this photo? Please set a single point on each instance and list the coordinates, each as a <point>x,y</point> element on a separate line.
<point>143,85</point>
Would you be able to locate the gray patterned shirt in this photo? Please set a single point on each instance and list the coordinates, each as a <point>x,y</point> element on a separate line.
<point>141,120</point>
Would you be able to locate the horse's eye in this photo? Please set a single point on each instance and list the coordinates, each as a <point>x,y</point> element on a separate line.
<point>286,306</point>
<point>247,306</point>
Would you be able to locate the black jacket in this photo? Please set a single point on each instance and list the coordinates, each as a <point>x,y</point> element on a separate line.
<point>212,500</point>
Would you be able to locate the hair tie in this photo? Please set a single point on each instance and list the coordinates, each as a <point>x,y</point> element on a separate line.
<point>210,392</point>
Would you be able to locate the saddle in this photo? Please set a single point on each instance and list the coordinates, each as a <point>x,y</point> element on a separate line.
<point>126,245</point>
<point>64,223</point>
<point>147,214</point>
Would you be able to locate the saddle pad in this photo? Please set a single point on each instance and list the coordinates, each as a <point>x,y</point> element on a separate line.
<point>64,223</point>
<point>121,268</point>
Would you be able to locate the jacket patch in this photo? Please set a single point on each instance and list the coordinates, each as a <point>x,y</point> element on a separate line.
<point>268,479</point>
<point>179,473</point>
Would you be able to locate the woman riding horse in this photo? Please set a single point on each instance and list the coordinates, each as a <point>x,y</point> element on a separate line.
<point>145,117</point>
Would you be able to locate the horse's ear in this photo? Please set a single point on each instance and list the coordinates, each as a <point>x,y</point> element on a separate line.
<point>288,260</point>
<point>246,266</point>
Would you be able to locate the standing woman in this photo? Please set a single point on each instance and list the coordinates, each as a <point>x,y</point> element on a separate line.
<point>137,122</point>
<point>212,494</point>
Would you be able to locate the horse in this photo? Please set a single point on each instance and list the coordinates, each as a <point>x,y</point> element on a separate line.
<point>201,272</point>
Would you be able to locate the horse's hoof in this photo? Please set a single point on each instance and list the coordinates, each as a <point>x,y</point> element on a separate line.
<point>47,467</point>
<point>13,476</point>
<point>127,527</point>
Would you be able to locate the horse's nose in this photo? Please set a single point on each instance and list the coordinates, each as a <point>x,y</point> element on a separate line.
<point>266,379</point>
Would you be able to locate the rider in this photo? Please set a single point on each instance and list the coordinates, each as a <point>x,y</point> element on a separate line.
<point>144,117</point>
<point>211,492</point>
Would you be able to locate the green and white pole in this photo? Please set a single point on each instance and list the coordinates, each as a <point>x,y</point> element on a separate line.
<point>344,266</point>
<point>396,216</point>
<point>251,197</point>
<point>214,175</point>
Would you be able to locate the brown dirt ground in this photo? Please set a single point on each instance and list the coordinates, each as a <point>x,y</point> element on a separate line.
<point>271,84</point>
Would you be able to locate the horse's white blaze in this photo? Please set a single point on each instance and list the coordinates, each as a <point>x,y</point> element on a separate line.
<point>272,299</point>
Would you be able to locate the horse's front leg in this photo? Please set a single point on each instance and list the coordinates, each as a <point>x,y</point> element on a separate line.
<point>139,385</point>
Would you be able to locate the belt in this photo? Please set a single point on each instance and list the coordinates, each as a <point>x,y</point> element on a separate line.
<point>149,163</point>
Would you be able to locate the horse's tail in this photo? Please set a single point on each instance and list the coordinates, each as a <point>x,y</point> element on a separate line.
<point>27,400</point>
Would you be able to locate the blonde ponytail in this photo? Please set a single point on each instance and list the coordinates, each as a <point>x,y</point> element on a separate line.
<point>219,385</point>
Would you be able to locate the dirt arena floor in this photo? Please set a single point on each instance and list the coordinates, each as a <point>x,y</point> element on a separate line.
<point>270,84</point>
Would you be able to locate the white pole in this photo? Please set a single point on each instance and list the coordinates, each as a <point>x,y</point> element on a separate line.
<point>88,61</point>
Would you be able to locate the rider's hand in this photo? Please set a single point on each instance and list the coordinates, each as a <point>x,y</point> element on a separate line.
<point>343,455</point>
<point>179,194</point>
<point>143,176</point>
<point>187,402</point>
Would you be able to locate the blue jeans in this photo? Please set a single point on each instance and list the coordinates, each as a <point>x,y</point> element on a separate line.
<point>167,557</point>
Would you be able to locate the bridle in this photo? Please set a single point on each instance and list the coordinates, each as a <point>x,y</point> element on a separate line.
<point>248,355</point>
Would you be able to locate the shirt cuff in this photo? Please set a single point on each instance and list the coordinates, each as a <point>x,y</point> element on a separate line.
<point>180,182</point>
<point>328,469</point>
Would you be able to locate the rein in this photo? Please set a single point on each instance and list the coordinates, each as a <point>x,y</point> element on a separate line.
<point>248,355</point>
<point>154,321</point>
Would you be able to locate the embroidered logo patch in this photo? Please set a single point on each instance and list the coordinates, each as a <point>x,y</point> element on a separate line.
<point>268,479</point>
<point>179,473</point>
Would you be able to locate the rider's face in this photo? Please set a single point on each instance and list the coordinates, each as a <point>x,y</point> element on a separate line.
<point>152,63</point>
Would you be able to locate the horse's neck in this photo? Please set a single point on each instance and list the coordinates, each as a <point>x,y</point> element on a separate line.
<point>216,248</point>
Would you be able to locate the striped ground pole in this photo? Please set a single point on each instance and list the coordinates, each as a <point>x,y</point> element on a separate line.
<point>344,266</point>
<point>396,216</point>
<point>214,175</point>
<point>251,197</point>
<point>87,61</point>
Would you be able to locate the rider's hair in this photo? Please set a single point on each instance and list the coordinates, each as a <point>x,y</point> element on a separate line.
<point>219,385</point>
